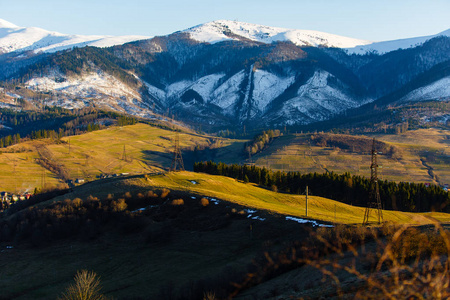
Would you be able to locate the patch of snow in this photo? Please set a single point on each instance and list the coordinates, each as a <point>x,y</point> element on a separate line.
<point>192,197</point>
<point>228,93</point>
<point>155,92</point>
<point>6,105</point>
<point>178,88</point>
<point>251,216</point>
<point>436,90</point>
<point>215,201</point>
<point>194,182</point>
<point>318,90</point>
<point>85,86</point>
<point>14,95</point>
<point>316,100</point>
<point>3,126</point>
<point>94,88</point>
<point>304,221</point>
<point>140,209</point>
<point>268,86</point>
<point>145,208</point>
<point>205,86</point>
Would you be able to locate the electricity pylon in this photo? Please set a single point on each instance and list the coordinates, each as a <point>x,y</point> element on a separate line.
<point>177,158</point>
<point>374,193</point>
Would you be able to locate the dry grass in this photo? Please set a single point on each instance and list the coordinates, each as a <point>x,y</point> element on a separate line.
<point>409,264</point>
<point>298,153</point>
<point>133,149</point>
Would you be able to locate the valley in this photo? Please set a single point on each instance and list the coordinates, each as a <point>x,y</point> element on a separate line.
<point>274,128</point>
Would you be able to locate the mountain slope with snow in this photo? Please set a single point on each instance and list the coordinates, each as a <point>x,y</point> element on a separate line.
<point>261,77</point>
<point>222,30</point>
<point>388,46</point>
<point>15,38</point>
<point>439,89</point>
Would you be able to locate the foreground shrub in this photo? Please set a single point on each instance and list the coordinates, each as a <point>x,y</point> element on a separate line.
<point>410,264</point>
<point>177,202</point>
<point>204,202</point>
<point>86,287</point>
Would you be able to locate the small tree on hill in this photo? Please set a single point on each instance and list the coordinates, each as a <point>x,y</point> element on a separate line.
<point>86,287</point>
<point>246,180</point>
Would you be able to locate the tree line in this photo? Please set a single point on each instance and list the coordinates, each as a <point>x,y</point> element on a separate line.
<point>346,188</point>
<point>261,141</point>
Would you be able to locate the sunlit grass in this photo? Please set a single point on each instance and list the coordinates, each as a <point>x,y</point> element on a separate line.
<point>295,205</point>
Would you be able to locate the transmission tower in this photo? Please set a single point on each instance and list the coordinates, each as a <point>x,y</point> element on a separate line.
<point>374,193</point>
<point>177,160</point>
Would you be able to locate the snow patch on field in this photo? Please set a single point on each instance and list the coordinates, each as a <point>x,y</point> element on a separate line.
<point>304,221</point>
<point>213,200</point>
<point>250,215</point>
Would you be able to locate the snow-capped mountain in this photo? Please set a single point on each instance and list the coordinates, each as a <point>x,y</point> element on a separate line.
<point>222,30</point>
<point>15,38</point>
<point>225,73</point>
<point>388,46</point>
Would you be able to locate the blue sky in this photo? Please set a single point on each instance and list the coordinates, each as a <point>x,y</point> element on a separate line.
<point>364,19</point>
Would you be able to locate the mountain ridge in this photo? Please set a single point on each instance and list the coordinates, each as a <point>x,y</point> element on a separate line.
<point>257,79</point>
<point>15,38</point>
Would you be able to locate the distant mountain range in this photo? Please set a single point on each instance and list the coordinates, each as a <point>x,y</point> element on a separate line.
<point>222,74</point>
<point>20,39</point>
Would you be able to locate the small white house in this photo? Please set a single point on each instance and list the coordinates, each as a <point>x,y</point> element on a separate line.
<point>79,180</point>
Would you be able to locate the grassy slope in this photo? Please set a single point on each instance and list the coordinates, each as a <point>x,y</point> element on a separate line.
<point>147,149</point>
<point>19,172</point>
<point>249,195</point>
<point>431,145</point>
<point>294,153</point>
<point>129,267</point>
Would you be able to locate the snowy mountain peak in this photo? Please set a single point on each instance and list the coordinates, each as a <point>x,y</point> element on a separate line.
<point>16,38</point>
<point>221,30</point>
<point>6,24</point>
